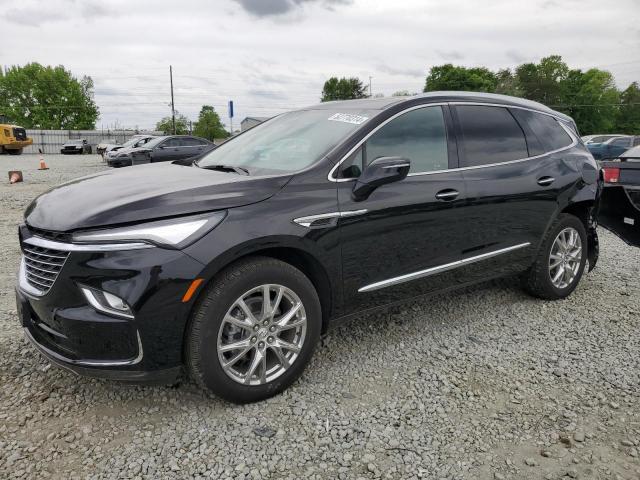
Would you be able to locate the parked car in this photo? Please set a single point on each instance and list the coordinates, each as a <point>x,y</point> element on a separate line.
<point>588,139</point>
<point>121,156</point>
<point>619,207</point>
<point>115,146</point>
<point>168,148</point>
<point>101,148</point>
<point>613,147</point>
<point>75,146</point>
<point>631,155</point>
<point>232,266</point>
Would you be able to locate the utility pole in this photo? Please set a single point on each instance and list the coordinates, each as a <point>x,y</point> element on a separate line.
<point>173,109</point>
<point>370,91</point>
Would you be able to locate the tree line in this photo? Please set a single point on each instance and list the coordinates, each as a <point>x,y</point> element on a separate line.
<point>590,97</point>
<point>52,98</point>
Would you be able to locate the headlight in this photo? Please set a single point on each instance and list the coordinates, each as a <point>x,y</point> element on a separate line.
<point>123,155</point>
<point>172,233</point>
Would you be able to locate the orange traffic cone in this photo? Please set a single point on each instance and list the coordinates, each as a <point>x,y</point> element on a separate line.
<point>15,176</point>
<point>43,165</point>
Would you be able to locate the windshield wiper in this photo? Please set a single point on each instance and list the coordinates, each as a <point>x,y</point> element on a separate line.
<point>225,168</point>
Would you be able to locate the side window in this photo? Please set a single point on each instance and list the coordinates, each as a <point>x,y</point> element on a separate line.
<point>173,142</point>
<point>489,135</point>
<point>352,167</point>
<point>621,142</point>
<point>190,142</point>
<point>419,135</point>
<point>544,132</point>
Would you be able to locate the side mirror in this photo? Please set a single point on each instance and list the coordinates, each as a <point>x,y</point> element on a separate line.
<point>381,171</point>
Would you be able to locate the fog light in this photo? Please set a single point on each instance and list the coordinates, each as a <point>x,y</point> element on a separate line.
<point>106,302</point>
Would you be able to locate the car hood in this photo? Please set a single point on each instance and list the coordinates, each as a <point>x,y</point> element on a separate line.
<point>144,193</point>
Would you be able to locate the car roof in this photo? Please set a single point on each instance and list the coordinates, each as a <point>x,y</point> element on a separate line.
<point>433,97</point>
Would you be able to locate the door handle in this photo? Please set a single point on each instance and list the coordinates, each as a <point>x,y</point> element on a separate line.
<point>545,181</point>
<point>447,195</point>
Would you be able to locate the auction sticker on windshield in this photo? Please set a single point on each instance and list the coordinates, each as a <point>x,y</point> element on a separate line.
<point>348,118</point>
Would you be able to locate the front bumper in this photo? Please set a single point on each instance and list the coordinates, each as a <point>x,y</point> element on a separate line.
<point>74,335</point>
<point>119,162</point>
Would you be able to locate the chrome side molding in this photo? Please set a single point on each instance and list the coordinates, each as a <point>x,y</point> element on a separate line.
<point>326,219</point>
<point>439,269</point>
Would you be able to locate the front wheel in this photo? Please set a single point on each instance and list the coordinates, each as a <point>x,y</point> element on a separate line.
<point>561,261</point>
<point>254,330</point>
<point>15,151</point>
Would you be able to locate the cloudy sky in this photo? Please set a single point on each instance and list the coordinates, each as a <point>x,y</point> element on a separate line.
<point>273,55</point>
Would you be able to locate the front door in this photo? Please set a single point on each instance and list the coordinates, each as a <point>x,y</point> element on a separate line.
<point>167,150</point>
<point>404,239</point>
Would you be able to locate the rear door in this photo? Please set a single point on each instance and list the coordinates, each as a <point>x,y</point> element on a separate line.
<point>191,147</point>
<point>513,181</point>
<point>619,204</point>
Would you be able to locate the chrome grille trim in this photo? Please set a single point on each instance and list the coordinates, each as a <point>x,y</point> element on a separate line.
<point>41,266</point>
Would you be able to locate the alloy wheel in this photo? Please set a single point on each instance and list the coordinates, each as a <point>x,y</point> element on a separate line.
<point>565,258</point>
<point>262,334</point>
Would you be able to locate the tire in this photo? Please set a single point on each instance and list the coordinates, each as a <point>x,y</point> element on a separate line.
<point>15,151</point>
<point>538,280</point>
<point>209,331</point>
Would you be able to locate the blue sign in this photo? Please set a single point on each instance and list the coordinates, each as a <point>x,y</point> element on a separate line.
<point>230,108</point>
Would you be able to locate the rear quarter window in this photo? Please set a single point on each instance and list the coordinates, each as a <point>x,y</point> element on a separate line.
<point>544,132</point>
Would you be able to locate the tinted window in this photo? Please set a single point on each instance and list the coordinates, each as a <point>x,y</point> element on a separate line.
<point>489,135</point>
<point>191,142</point>
<point>418,135</point>
<point>548,135</point>
<point>621,142</point>
<point>173,142</point>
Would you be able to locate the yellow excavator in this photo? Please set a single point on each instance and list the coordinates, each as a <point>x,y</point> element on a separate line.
<point>13,139</point>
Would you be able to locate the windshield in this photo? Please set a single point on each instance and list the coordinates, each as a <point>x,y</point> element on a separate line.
<point>287,143</point>
<point>131,143</point>
<point>154,142</point>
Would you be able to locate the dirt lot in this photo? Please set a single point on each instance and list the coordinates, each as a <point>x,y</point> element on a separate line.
<point>489,383</point>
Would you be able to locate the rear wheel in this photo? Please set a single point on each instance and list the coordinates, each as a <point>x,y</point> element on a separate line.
<point>561,260</point>
<point>15,151</point>
<point>254,331</point>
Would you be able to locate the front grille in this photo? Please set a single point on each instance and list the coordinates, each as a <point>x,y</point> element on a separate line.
<point>20,133</point>
<point>42,265</point>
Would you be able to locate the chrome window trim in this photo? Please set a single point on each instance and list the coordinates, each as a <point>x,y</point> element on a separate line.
<point>570,132</point>
<point>80,247</point>
<point>308,220</point>
<point>438,269</point>
<point>85,363</point>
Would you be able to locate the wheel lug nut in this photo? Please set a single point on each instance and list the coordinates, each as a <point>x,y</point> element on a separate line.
<point>261,344</point>
<point>253,339</point>
<point>256,327</point>
<point>272,328</point>
<point>270,339</point>
<point>265,323</point>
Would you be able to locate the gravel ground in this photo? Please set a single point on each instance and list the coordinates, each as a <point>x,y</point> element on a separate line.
<point>489,383</point>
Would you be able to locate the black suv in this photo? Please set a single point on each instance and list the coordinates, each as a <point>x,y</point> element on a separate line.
<point>233,266</point>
